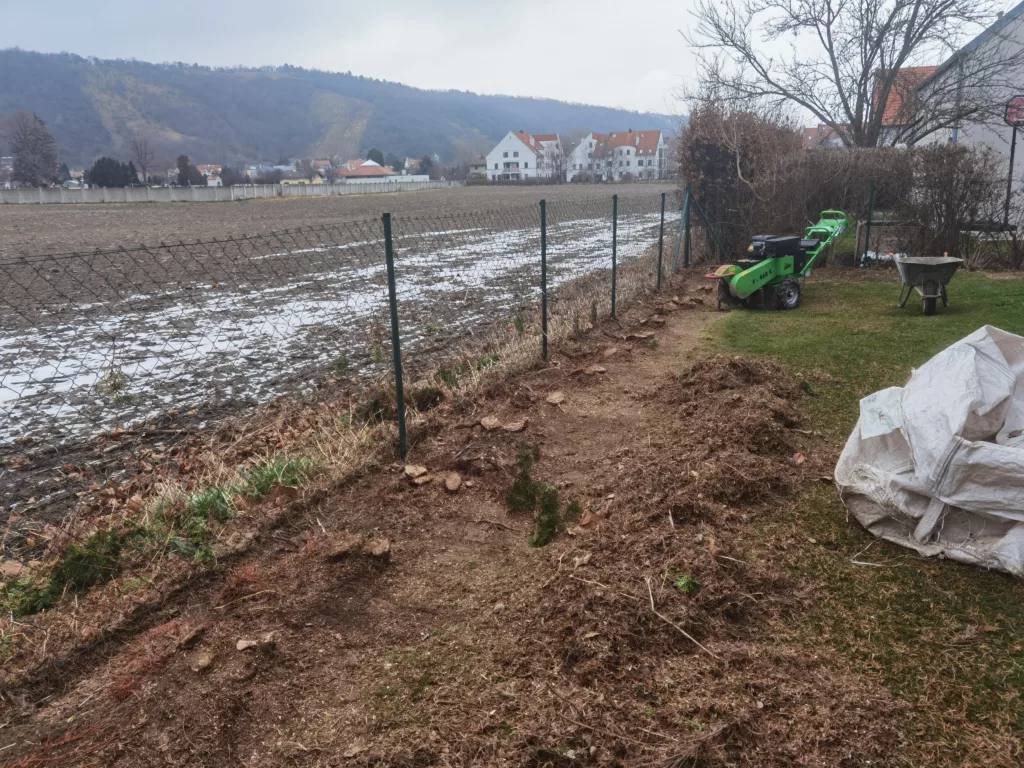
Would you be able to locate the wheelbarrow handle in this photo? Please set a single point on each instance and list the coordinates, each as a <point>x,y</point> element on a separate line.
<point>902,300</point>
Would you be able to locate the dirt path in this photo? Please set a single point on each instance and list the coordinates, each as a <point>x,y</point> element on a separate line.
<point>463,645</point>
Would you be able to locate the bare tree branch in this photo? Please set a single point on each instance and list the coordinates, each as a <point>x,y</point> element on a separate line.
<point>848,59</point>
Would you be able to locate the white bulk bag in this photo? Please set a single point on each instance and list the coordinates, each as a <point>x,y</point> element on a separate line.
<point>938,465</point>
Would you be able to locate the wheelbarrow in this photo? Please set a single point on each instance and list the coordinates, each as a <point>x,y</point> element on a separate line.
<point>929,276</point>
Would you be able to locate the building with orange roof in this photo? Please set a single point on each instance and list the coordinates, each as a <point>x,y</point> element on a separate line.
<point>619,155</point>
<point>521,155</point>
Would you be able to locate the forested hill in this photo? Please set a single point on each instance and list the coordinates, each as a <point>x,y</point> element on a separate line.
<point>92,106</point>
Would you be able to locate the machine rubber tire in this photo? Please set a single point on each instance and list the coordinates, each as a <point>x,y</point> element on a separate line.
<point>788,294</point>
<point>928,302</point>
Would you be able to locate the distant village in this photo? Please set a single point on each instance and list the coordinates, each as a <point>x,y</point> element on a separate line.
<point>518,157</point>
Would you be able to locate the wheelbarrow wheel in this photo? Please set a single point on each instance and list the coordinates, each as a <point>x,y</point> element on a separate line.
<point>788,294</point>
<point>928,302</point>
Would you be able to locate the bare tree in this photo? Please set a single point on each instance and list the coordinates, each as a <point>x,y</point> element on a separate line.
<point>143,154</point>
<point>849,59</point>
<point>34,150</point>
<point>556,156</point>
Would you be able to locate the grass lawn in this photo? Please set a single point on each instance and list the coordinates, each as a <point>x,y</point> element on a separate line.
<point>947,638</point>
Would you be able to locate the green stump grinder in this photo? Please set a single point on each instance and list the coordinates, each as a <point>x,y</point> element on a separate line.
<point>769,278</point>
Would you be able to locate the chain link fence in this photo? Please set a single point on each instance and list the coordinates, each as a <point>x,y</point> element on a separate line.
<point>152,344</point>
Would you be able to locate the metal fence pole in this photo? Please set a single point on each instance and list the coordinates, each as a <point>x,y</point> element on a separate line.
<point>544,279</point>
<point>396,344</point>
<point>615,238</point>
<point>679,235</point>
<point>661,238</point>
<point>871,213</point>
<point>686,225</point>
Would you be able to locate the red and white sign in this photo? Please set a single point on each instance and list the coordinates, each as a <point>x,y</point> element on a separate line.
<point>1015,111</point>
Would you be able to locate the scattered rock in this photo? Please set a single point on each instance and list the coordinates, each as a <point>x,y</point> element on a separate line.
<point>671,307</point>
<point>490,423</point>
<point>342,545</point>
<point>378,548</point>
<point>203,660</point>
<point>799,458</point>
<point>236,542</point>
<point>244,645</point>
<point>643,336</point>
<point>412,471</point>
<point>269,640</point>
<point>656,320</point>
<point>611,352</point>
<point>556,398</point>
<point>578,562</point>
<point>11,569</point>
<point>515,426</point>
<point>499,607</point>
<point>469,483</point>
<point>422,480</point>
<point>588,519</point>
<point>593,369</point>
<point>453,482</point>
<point>354,750</point>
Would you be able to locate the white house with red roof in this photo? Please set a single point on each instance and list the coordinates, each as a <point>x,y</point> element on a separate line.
<point>618,155</point>
<point>521,156</point>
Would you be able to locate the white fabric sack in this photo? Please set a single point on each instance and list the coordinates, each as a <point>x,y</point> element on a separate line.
<point>938,465</point>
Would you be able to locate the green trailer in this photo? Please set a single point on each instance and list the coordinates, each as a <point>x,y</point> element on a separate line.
<point>769,278</point>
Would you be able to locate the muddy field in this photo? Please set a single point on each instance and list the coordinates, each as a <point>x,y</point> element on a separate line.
<point>37,229</point>
<point>137,338</point>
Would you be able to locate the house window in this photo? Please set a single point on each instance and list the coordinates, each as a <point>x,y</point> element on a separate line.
<point>515,154</point>
<point>627,163</point>
<point>504,154</point>
<point>526,165</point>
<point>495,166</point>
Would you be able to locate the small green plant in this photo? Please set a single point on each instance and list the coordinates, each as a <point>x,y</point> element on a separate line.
<point>112,383</point>
<point>377,354</point>
<point>433,327</point>
<point>126,398</point>
<point>522,496</point>
<point>517,323</point>
<point>686,584</point>
<point>652,343</point>
<point>573,511</point>
<point>290,472</point>
<point>487,361</point>
<point>545,526</point>
<point>340,366</point>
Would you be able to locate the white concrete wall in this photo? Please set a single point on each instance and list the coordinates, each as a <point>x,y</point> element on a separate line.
<point>29,196</point>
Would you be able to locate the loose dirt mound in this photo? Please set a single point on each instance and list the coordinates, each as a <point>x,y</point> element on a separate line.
<point>651,632</point>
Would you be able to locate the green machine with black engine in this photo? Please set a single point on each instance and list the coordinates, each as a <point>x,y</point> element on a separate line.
<point>770,277</point>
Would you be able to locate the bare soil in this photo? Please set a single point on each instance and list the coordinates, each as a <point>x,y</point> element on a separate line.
<point>40,229</point>
<point>653,631</point>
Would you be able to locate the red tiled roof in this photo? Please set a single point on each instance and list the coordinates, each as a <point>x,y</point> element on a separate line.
<point>906,80</point>
<point>364,171</point>
<point>528,140</point>
<point>546,136</point>
<point>644,142</point>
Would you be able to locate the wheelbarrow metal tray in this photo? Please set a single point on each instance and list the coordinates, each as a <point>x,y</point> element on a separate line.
<point>915,271</point>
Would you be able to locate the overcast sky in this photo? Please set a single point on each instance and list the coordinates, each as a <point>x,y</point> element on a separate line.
<point>608,52</point>
<point>598,51</point>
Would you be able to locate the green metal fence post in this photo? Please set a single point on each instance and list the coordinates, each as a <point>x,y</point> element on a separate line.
<point>684,223</point>
<point>661,237</point>
<point>871,214</point>
<point>615,237</point>
<point>544,279</point>
<point>396,344</point>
